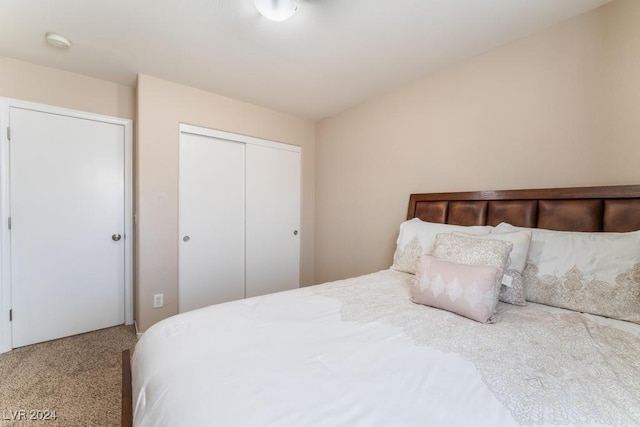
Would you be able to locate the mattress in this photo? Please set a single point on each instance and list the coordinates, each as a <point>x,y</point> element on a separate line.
<point>358,352</point>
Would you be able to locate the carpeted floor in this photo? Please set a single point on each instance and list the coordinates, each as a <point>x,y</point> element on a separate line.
<point>77,377</point>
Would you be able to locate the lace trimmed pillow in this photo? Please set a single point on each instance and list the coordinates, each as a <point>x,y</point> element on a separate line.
<point>512,289</point>
<point>418,237</point>
<point>467,290</point>
<point>597,273</point>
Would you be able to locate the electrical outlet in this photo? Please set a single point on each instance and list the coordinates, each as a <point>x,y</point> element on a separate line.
<point>158,300</point>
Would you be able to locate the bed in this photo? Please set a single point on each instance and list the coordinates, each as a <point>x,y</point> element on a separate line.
<point>368,351</point>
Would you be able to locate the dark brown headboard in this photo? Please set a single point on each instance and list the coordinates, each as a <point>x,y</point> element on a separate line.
<point>613,209</point>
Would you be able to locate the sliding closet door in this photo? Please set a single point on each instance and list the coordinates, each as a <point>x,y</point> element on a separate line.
<point>273,220</point>
<point>211,221</point>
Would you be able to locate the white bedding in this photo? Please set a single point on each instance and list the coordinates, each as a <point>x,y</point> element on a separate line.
<point>358,353</point>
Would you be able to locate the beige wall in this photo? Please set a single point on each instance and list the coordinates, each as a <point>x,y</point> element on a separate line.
<point>45,85</point>
<point>162,106</point>
<point>559,108</point>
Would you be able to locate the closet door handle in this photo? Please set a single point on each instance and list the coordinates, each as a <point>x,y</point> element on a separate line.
<point>116,237</point>
<point>295,232</point>
<point>186,238</point>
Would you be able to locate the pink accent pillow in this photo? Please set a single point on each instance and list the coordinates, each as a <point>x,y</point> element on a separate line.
<point>467,290</point>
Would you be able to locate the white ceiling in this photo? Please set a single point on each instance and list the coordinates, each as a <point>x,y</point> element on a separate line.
<point>331,55</point>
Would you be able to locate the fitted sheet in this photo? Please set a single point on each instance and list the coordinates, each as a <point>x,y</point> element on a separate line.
<point>358,352</point>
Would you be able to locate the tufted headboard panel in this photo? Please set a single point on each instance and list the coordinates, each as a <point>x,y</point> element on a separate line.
<point>610,209</point>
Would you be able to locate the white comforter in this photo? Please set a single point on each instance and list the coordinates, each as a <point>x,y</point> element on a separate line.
<point>358,353</point>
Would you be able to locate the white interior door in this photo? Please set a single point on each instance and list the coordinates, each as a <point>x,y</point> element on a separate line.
<point>211,221</point>
<point>272,220</point>
<point>67,185</point>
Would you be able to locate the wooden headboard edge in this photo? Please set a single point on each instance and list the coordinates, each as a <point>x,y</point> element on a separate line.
<point>605,208</point>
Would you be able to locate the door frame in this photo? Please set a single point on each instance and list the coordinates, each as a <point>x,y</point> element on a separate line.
<point>236,137</point>
<point>5,200</point>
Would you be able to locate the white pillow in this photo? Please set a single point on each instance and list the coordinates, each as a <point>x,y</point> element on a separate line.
<point>597,273</point>
<point>418,237</point>
<point>512,290</point>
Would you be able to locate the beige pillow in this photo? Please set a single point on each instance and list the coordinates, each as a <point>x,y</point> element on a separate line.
<point>512,290</point>
<point>474,251</point>
<point>417,238</point>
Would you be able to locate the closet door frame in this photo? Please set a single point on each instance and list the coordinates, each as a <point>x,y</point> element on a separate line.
<point>197,130</point>
<point>5,187</point>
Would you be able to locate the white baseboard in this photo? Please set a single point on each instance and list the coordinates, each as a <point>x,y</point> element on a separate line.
<point>138,333</point>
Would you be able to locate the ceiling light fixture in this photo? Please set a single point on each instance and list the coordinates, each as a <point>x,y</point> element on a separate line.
<point>57,40</point>
<point>276,10</point>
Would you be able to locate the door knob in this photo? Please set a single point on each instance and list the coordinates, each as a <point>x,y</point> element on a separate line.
<point>186,238</point>
<point>116,237</point>
<point>295,232</point>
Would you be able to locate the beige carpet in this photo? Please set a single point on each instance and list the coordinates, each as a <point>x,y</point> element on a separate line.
<point>78,377</point>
